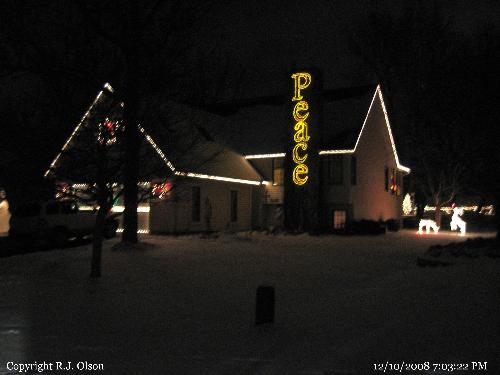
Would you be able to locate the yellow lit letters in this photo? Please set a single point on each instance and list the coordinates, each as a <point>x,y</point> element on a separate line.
<point>302,81</point>
<point>295,154</point>
<point>300,114</point>
<point>300,174</point>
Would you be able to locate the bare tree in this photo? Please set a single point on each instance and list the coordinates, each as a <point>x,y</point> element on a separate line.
<point>133,44</point>
<point>411,54</point>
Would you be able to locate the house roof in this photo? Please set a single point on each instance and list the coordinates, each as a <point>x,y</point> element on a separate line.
<point>345,112</point>
<point>195,143</point>
<point>177,138</point>
<point>259,126</point>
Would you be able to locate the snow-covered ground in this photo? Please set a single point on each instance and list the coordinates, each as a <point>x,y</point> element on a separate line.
<point>186,305</point>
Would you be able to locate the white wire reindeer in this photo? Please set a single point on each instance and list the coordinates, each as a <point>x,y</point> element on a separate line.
<point>428,224</point>
<point>456,221</point>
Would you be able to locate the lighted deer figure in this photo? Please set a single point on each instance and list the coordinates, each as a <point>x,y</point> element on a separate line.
<point>456,221</point>
<point>428,224</point>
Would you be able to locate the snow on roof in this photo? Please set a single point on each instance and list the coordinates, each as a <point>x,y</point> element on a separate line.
<point>263,128</point>
<point>180,132</point>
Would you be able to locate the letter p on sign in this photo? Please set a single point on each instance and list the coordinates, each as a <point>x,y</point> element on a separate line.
<point>301,81</point>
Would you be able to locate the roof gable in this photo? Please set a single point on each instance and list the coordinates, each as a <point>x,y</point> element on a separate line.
<point>199,157</point>
<point>346,140</point>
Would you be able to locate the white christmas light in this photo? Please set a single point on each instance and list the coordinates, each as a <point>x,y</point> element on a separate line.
<point>457,222</point>
<point>407,205</point>
<point>399,166</point>
<point>328,152</point>
<point>108,87</point>
<point>139,231</point>
<point>122,208</point>
<point>217,178</point>
<point>427,223</point>
<point>265,156</point>
<point>191,174</point>
<point>86,208</point>
<point>485,210</point>
<point>157,149</point>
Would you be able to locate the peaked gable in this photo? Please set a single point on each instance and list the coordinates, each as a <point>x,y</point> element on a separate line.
<point>204,159</point>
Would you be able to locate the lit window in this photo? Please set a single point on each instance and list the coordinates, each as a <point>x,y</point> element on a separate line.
<point>393,183</point>
<point>278,171</point>
<point>339,219</point>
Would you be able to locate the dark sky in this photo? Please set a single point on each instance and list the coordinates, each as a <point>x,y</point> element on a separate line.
<point>274,35</point>
<point>262,40</point>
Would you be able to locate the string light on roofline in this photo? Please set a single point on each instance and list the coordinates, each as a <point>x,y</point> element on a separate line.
<point>265,156</point>
<point>399,166</point>
<point>378,92</point>
<point>329,152</point>
<point>68,141</point>
<point>217,178</point>
<point>108,87</point>
<point>139,231</point>
<point>122,208</point>
<point>150,140</point>
<point>485,210</point>
<point>282,154</point>
<point>191,174</point>
<point>157,149</point>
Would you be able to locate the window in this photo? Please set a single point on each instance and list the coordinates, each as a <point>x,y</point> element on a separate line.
<point>335,175</point>
<point>339,219</point>
<point>278,171</point>
<point>354,170</point>
<point>234,205</point>
<point>393,182</point>
<point>195,203</point>
<point>386,179</point>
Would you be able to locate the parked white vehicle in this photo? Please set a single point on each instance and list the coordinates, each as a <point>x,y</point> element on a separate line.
<point>57,221</point>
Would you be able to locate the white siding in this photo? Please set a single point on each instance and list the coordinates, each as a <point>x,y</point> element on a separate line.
<point>174,214</point>
<point>374,153</point>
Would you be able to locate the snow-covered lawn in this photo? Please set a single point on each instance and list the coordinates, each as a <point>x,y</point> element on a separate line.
<point>186,305</point>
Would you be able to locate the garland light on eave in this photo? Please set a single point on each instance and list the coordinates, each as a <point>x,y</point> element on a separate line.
<point>191,174</point>
<point>108,87</point>
<point>157,149</point>
<point>219,178</point>
<point>265,156</point>
<point>399,166</point>
<point>150,140</point>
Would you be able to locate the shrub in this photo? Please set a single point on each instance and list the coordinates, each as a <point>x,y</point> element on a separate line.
<point>366,227</point>
<point>392,225</point>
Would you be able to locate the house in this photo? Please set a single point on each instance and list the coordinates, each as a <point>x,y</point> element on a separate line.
<point>228,172</point>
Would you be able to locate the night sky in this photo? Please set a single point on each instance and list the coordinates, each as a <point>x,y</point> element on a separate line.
<point>256,43</point>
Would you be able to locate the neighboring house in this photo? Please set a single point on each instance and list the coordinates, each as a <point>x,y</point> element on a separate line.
<point>231,177</point>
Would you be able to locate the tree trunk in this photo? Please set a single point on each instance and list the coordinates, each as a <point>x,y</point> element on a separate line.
<point>100,221</point>
<point>132,136</point>
<point>131,168</point>
<point>95,271</point>
<point>497,213</point>
<point>437,214</point>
